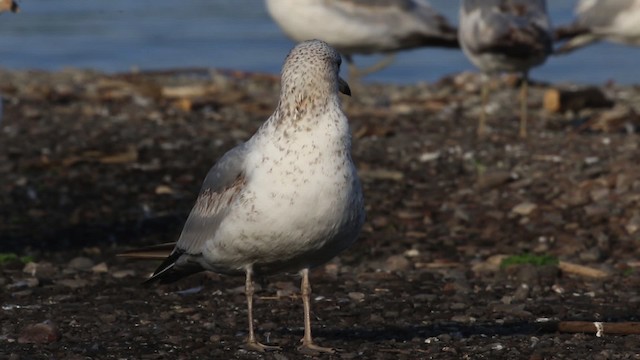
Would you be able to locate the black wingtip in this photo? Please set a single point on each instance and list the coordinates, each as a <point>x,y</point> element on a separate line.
<point>168,273</point>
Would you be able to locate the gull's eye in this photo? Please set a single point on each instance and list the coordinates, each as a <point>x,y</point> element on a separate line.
<point>339,60</point>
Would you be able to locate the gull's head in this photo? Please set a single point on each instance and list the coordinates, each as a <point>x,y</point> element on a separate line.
<point>311,71</point>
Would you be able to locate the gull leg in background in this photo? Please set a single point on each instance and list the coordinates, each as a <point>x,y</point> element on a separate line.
<point>307,340</point>
<point>484,94</point>
<point>524,93</point>
<point>501,36</point>
<point>355,73</point>
<point>252,343</point>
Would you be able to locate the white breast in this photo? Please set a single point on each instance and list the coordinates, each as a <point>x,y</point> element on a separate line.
<point>299,195</point>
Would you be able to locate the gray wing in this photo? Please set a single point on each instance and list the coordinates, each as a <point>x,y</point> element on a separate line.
<point>595,18</point>
<point>515,28</point>
<point>601,14</point>
<point>223,183</point>
<point>414,22</point>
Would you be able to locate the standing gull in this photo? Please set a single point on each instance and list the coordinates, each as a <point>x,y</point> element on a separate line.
<point>288,199</point>
<point>505,36</point>
<point>364,26</point>
<point>614,20</point>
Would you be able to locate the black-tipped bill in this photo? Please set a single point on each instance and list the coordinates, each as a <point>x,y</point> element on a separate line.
<point>343,87</point>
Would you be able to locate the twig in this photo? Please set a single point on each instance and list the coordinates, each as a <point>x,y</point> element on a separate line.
<point>581,270</point>
<point>599,328</point>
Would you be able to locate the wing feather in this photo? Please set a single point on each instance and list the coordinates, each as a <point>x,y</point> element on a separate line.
<point>223,183</point>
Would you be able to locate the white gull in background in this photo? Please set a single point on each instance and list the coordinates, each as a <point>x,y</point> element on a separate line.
<point>505,36</point>
<point>613,20</point>
<point>288,199</point>
<point>364,26</point>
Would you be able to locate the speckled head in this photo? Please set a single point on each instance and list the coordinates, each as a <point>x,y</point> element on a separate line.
<point>311,71</point>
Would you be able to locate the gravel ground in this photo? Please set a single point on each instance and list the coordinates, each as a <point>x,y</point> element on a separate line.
<point>93,164</point>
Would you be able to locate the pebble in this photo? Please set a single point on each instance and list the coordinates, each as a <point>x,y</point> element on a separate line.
<point>42,270</point>
<point>522,293</point>
<point>356,296</point>
<point>458,306</point>
<point>397,263</point>
<point>464,319</point>
<point>591,255</point>
<point>41,333</point>
<point>81,263</point>
<point>493,179</point>
<point>100,268</point>
<point>633,225</point>
<point>524,209</point>
<point>73,283</point>
<point>24,283</point>
<point>121,274</point>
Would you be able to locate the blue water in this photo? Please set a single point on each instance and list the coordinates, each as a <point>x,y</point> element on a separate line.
<point>118,35</point>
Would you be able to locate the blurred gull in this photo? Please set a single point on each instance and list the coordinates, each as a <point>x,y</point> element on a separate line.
<point>364,26</point>
<point>288,199</point>
<point>8,5</point>
<point>505,35</point>
<point>614,20</point>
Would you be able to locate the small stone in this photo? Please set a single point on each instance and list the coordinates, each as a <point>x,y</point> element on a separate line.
<point>356,296</point>
<point>163,190</point>
<point>595,210</point>
<point>493,179</point>
<point>81,263</point>
<point>412,253</point>
<point>100,268</point>
<point>524,209</point>
<point>121,274</point>
<point>633,225</point>
<point>429,156</point>
<point>591,255</point>
<point>463,319</point>
<point>599,194</point>
<point>458,306</point>
<point>30,268</point>
<point>24,283</point>
<point>41,333</point>
<point>41,270</point>
<point>522,293</point>
<point>379,222</point>
<point>73,283</point>
<point>397,263</point>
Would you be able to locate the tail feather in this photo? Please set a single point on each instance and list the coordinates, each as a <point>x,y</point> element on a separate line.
<point>154,252</point>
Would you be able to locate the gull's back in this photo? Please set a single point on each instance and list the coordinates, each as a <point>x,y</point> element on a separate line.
<point>505,35</point>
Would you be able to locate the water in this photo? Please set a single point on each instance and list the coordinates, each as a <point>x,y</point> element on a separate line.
<point>118,35</point>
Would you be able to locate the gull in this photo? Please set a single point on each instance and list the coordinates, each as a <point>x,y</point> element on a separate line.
<point>364,26</point>
<point>505,36</point>
<point>613,20</point>
<point>288,199</point>
<point>8,5</point>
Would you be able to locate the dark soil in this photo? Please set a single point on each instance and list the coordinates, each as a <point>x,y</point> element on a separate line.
<point>91,165</point>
